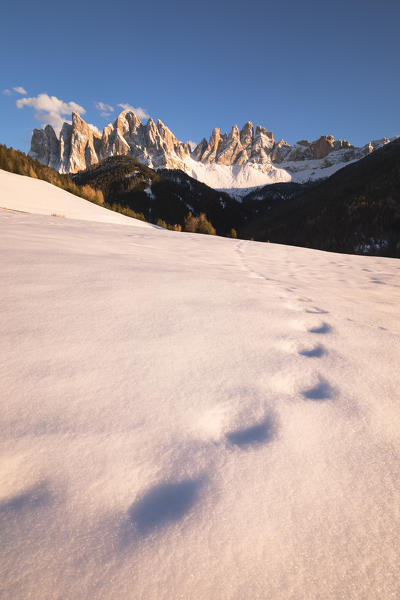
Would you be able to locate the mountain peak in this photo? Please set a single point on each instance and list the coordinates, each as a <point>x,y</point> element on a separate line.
<point>241,158</point>
<point>77,119</point>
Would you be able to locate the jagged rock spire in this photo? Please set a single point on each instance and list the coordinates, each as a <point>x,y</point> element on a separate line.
<point>80,145</point>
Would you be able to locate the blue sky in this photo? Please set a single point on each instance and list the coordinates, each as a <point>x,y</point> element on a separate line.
<point>299,68</point>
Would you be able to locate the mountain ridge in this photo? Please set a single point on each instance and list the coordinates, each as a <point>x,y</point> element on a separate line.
<point>245,158</point>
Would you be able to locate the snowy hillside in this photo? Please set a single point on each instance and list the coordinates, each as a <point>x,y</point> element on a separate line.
<point>188,416</point>
<point>33,195</point>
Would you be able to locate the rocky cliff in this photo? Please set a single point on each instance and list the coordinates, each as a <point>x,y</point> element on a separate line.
<point>80,146</point>
<point>242,158</point>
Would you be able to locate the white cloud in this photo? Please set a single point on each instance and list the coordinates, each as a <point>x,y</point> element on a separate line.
<point>140,112</point>
<point>105,109</point>
<point>20,90</point>
<point>50,109</point>
<point>7,92</point>
<point>192,145</point>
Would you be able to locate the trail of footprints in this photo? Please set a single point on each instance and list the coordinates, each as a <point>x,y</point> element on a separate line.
<point>322,390</point>
<point>168,502</point>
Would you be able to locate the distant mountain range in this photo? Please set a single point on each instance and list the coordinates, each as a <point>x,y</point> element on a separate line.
<point>240,160</point>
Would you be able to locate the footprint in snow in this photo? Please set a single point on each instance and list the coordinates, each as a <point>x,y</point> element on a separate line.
<point>321,391</point>
<point>164,504</point>
<point>316,311</point>
<point>254,435</point>
<point>323,328</point>
<point>25,502</point>
<point>315,352</point>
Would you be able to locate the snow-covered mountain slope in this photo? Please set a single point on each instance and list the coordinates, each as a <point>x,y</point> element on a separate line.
<point>187,416</point>
<point>241,159</point>
<point>35,196</point>
<point>239,180</point>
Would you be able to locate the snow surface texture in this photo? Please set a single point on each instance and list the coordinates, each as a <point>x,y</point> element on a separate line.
<point>188,416</point>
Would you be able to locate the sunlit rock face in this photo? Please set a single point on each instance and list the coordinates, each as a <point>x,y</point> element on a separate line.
<point>250,154</point>
<point>80,146</point>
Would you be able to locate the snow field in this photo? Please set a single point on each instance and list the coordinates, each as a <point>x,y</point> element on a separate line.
<point>185,416</point>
